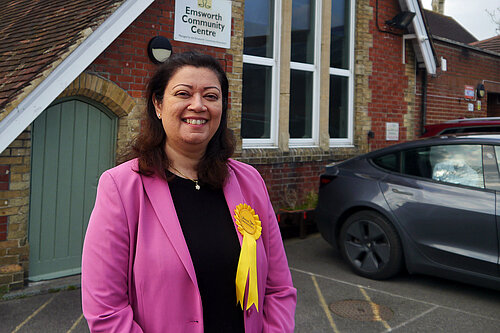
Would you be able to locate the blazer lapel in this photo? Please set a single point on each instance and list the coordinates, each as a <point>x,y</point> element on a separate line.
<point>234,197</point>
<point>159,194</point>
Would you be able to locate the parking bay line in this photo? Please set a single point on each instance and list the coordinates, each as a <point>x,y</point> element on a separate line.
<point>375,311</point>
<point>392,294</point>
<point>33,314</point>
<point>324,305</point>
<point>412,319</point>
<point>75,323</point>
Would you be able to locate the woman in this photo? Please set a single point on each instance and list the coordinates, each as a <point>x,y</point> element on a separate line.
<point>162,251</point>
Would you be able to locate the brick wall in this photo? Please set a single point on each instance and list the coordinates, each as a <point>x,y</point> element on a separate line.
<point>388,82</point>
<point>116,79</point>
<point>445,91</point>
<point>14,206</point>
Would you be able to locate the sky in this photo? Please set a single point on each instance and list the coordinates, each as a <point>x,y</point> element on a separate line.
<point>471,15</point>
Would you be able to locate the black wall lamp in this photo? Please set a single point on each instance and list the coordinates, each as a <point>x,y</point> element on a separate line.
<point>401,21</point>
<point>480,90</point>
<point>159,49</point>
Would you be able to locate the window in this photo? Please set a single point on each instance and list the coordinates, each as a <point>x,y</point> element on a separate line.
<point>389,162</point>
<point>304,76</point>
<point>341,73</point>
<point>259,118</point>
<point>455,164</point>
<point>261,73</point>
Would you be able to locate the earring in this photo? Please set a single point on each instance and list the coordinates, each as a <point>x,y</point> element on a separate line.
<point>159,115</point>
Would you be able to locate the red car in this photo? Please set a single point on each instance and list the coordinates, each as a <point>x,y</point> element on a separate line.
<point>465,125</point>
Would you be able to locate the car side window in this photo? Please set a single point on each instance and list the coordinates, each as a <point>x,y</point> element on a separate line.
<point>457,164</point>
<point>497,153</point>
<point>389,162</point>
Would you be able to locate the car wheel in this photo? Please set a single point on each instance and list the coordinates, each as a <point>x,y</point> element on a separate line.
<point>370,244</point>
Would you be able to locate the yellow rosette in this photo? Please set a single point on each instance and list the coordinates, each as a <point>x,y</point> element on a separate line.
<point>249,226</point>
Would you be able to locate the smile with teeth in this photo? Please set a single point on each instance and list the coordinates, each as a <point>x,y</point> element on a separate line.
<point>195,121</point>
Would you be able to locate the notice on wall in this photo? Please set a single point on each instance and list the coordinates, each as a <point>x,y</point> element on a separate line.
<point>470,107</point>
<point>392,131</point>
<point>205,22</point>
<point>469,92</point>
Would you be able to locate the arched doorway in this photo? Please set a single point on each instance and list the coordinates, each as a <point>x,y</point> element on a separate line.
<point>73,142</point>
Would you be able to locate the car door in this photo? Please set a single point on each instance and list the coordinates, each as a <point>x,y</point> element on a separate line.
<point>440,200</point>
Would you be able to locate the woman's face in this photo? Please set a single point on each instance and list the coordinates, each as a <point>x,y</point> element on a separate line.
<point>191,109</point>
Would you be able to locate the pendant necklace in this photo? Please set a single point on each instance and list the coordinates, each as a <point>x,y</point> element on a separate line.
<point>195,181</point>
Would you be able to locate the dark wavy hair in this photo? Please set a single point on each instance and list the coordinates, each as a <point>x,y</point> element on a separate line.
<point>149,145</point>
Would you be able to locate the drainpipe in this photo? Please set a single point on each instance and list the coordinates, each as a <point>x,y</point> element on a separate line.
<point>423,104</point>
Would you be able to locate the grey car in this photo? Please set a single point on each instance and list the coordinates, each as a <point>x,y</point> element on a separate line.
<point>431,205</point>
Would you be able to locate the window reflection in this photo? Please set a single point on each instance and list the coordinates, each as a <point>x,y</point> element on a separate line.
<point>339,108</point>
<point>259,23</point>
<point>303,31</point>
<point>339,42</point>
<point>301,83</point>
<point>256,107</point>
<point>454,164</point>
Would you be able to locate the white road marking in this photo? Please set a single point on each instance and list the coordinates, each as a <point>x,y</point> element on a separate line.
<point>394,295</point>
<point>412,319</point>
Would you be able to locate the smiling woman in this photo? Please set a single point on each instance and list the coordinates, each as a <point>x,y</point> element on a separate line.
<point>163,252</point>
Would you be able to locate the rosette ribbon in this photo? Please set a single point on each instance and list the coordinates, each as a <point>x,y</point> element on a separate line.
<point>250,228</point>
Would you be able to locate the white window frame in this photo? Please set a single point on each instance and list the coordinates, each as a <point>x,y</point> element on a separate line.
<point>314,68</point>
<point>274,63</point>
<point>349,74</point>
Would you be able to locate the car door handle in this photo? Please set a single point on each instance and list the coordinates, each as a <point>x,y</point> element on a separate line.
<point>395,190</point>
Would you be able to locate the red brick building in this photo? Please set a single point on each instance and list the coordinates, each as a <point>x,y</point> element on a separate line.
<point>466,65</point>
<point>311,82</point>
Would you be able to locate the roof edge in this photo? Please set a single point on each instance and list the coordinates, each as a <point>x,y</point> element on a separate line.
<point>423,37</point>
<point>467,46</point>
<point>68,70</point>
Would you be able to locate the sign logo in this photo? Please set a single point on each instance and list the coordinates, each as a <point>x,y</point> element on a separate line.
<point>205,4</point>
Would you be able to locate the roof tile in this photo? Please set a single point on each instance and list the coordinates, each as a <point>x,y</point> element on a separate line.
<point>446,27</point>
<point>491,44</point>
<point>34,34</point>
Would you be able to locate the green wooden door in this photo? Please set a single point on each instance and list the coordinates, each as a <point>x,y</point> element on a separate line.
<point>72,144</point>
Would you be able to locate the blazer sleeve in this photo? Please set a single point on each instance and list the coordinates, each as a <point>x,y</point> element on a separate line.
<point>280,297</point>
<point>105,263</point>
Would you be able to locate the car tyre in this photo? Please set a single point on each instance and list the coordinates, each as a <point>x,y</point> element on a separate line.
<point>371,245</point>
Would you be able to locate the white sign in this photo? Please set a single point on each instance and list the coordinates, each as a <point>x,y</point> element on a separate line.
<point>469,92</point>
<point>205,22</point>
<point>392,131</point>
<point>470,107</point>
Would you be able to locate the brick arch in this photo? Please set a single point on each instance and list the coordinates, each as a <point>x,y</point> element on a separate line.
<point>103,91</point>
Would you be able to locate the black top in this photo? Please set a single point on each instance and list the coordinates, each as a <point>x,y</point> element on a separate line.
<point>214,248</point>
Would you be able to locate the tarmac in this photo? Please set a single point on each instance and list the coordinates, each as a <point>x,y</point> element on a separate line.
<point>44,287</point>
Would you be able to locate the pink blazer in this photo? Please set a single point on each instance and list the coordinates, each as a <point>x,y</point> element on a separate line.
<point>137,274</point>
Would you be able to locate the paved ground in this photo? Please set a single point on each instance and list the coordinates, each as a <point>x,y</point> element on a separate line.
<point>408,303</point>
<point>405,304</point>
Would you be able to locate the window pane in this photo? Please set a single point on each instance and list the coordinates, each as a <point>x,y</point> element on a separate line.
<point>303,31</point>
<point>301,104</point>
<point>259,26</point>
<point>339,107</point>
<point>256,108</point>
<point>457,164</point>
<point>339,42</point>
<point>416,162</point>
<point>389,162</point>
